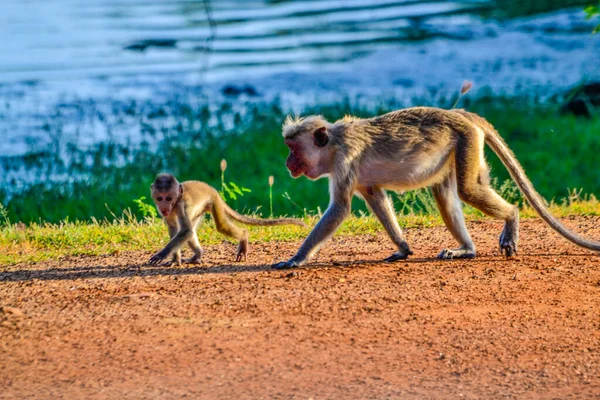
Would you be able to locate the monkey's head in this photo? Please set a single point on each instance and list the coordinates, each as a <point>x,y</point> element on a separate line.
<point>309,142</point>
<point>166,191</point>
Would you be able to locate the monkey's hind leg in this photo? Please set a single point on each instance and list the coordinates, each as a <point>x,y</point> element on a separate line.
<point>228,228</point>
<point>474,188</point>
<point>510,234</point>
<point>450,207</point>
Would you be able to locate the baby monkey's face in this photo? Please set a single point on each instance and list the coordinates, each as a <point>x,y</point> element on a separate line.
<point>165,200</point>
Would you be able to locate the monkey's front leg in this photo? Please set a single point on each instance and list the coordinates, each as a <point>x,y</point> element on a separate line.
<point>379,203</point>
<point>323,231</point>
<point>176,258</point>
<point>195,245</point>
<point>448,202</point>
<point>174,244</point>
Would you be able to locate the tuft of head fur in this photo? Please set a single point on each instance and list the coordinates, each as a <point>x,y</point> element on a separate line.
<point>164,182</point>
<point>350,118</point>
<point>292,126</point>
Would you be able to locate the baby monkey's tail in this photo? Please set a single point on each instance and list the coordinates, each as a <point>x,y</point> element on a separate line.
<point>262,222</point>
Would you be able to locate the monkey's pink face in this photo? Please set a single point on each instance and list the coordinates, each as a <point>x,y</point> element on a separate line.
<point>165,201</point>
<point>308,154</point>
<point>304,158</point>
<point>295,161</point>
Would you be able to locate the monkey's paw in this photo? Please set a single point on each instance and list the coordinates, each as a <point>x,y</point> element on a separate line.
<point>508,243</point>
<point>510,236</point>
<point>448,254</point>
<point>291,263</point>
<point>193,260</point>
<point>173,263</point>
<point>157,258</point>
<point>242,250</point>
<point>399,255</point>
<point>508,247</point>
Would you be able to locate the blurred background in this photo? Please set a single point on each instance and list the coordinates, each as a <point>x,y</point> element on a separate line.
<point>99,96</point>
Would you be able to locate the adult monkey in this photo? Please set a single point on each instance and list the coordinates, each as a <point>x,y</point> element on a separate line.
<point>403,150</point>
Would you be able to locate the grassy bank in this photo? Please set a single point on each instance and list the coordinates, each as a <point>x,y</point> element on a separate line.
<point>558,151</point>
<point>38,242</point>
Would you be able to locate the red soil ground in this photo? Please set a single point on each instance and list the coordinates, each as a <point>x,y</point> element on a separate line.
<point>344,327</point>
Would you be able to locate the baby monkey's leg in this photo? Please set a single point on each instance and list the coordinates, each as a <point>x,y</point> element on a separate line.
<point>228,228</point>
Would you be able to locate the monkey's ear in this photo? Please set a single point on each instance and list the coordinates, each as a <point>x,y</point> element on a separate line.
<point>321,137</point>
<point>180,189</point>
<point>151,186</point>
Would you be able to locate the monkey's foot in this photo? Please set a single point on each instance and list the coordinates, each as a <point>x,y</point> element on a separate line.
<point>241,254</point>
<point>509,239</point>
<point>508,247</point>
<point>291,263</point>
<point>399,255</point>
<point>510,235</point>
<point>242,250</point>
<point>172,264</point>
<point>448,254</point>
<point>193,260</point>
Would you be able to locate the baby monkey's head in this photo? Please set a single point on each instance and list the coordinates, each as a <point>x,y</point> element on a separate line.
<point>166,190</point>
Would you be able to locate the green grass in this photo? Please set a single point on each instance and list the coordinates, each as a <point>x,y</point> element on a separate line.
<point>38,242</point>
<point>559,152</point>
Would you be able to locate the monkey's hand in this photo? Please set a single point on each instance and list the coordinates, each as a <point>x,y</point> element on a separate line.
<point>291,263</point>
<point>158,257</point>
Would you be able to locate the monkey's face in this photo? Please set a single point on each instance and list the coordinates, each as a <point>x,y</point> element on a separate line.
<point>165,200</point>
<point>308,154</point>
<point>295,162</point>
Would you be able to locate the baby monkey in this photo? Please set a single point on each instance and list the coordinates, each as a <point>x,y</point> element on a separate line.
<point>182,206</point>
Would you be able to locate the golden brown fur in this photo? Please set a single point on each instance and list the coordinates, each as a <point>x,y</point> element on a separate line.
<point>182,207</point>
<point>403,150</point>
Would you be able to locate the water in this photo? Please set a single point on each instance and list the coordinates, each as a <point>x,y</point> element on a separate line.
<point>72,61</point>
<point>69,39</point>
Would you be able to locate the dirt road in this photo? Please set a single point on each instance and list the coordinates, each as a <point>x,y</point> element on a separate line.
<point>346,327</point>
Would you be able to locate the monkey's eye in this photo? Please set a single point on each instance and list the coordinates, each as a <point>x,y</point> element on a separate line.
<point>169,198</point>
<point>159,198</point>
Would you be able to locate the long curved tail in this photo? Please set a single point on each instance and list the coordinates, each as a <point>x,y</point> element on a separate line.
<point>499,146</point>
<point>261,222</point>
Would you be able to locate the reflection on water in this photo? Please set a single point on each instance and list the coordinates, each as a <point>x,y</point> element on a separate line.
<point>73,38</point>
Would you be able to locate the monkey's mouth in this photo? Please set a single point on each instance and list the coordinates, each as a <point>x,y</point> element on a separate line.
<point>295,165</point>
<point>165,212</point>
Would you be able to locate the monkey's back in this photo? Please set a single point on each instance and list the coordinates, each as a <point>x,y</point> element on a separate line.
<point>199,194</point>
<point>416,124</point>
<point>402,133</point>
<point>418,139</point>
